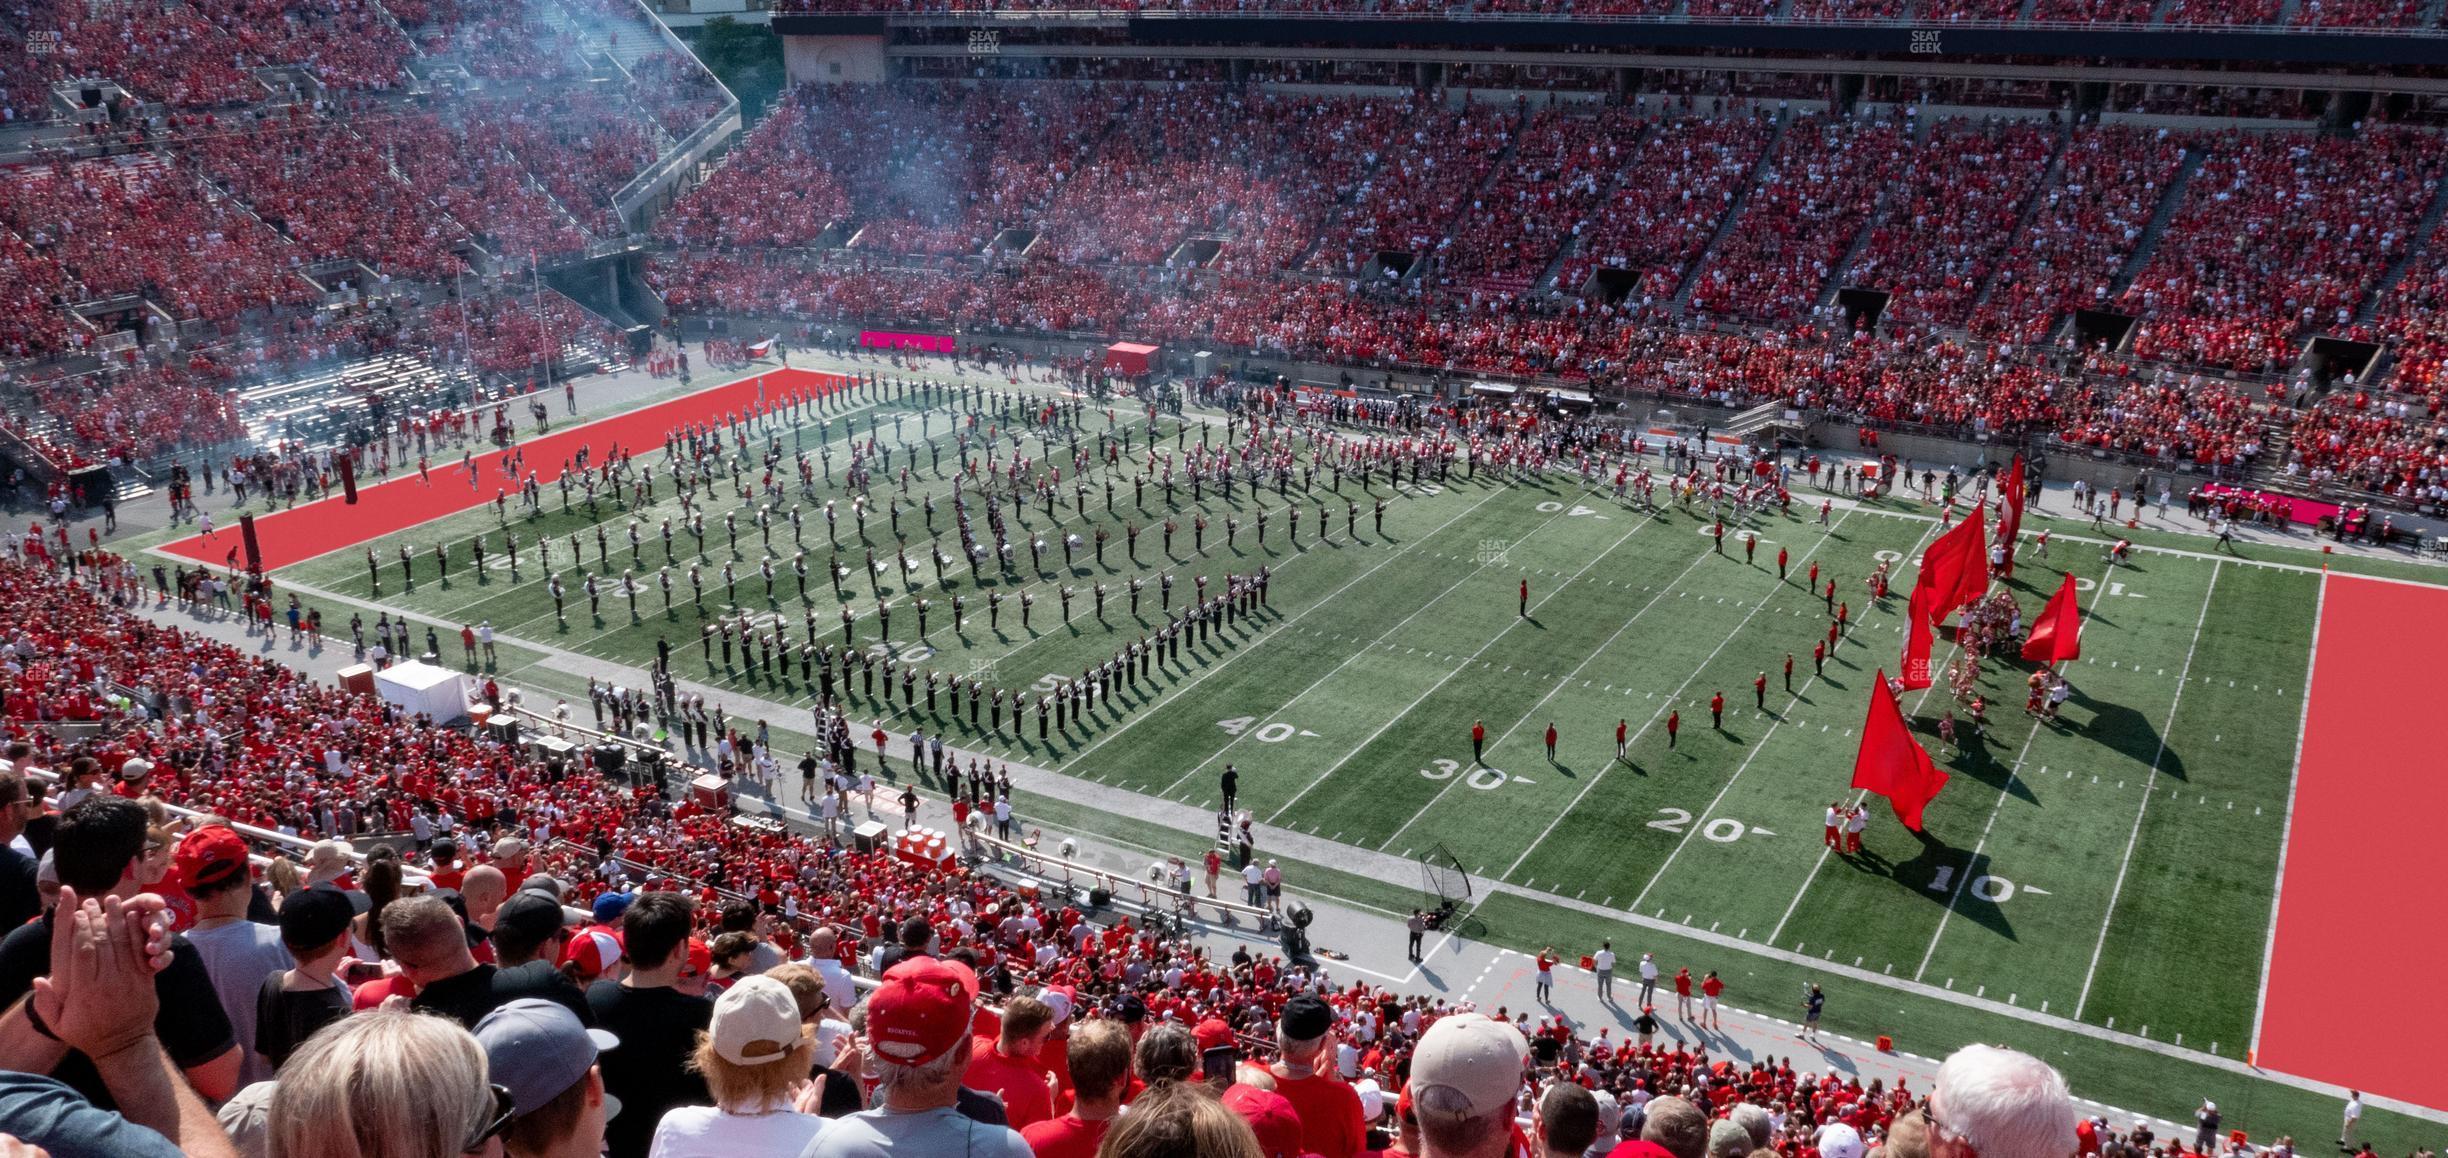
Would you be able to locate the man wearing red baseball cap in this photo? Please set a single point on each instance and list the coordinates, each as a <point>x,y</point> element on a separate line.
<point>918,1026</point>
<point>238,953</point>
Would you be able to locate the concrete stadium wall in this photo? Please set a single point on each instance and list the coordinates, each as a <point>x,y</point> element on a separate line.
<point>834,59</point>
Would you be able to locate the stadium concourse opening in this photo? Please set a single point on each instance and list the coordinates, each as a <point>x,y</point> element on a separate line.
<point>387,508</point>
<point>2362,843</point>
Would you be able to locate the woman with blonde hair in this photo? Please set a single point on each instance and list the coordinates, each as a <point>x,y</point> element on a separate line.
<point>388,1085</point>
<point>1179,1120</point>
<point>283,876</point>
<point>756,1056</point>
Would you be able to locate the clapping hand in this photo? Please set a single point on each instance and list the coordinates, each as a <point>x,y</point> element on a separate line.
<point>99,997</point>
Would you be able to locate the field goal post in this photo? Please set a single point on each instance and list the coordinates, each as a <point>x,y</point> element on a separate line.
<point>1447,886</point>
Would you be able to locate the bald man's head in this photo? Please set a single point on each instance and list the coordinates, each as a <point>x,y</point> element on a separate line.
<point>485,889</point>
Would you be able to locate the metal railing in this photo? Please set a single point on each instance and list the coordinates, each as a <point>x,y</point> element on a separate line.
<point>633,197</point>
<point>257,836</point>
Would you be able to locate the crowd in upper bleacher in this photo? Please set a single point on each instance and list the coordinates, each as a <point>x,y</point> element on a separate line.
<point>1430,229</point>
<point>1494,238</point>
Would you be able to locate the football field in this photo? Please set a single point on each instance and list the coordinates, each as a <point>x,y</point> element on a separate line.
<point>2117,866</point>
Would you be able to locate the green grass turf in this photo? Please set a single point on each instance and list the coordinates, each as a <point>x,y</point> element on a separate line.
<point>1346,706</point>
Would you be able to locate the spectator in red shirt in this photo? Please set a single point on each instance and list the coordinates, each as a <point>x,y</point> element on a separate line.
<point>1329,1109</point>
<point>1100,1057</point>
<point>1008,1066</point>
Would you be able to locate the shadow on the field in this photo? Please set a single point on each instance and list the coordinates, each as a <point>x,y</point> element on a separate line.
<point>2129,733</point>
<point>1966,894</point>
<point>1977,759</point>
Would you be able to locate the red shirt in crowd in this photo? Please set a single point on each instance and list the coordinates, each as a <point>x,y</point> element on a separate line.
<point>1329,1109</point>
<point>1021,1083</point>
<point>1065,1137</point>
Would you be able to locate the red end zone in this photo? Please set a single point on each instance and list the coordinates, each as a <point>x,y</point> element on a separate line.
<point>2353,991</point>
<point>387,508</point>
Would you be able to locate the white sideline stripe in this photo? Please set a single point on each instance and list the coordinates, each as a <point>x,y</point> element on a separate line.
<point>1964,881</point>
<point>1592,782</point>
<point>1416,612</point>
<point>2286,822</point>
<point>1073,760</point>
<point>1397,717</point>
<point>2149,785</point>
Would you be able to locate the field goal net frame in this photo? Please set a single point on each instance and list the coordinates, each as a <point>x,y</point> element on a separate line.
<point>1446,884</point>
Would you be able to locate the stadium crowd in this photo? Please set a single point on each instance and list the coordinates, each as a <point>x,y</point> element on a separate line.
<point>1539,256</point>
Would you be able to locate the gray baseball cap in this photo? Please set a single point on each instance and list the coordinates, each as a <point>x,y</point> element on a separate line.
<point>537,1050</point>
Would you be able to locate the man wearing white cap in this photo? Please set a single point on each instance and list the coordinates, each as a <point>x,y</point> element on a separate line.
<point>541,1054</point>
<point>1465,1077</point>
<point>1837,1140</point>
<point>756,1056</point>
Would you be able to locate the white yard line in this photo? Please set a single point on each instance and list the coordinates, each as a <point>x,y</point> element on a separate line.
<point>2150,785</point>
<point>1364,649</point>
<point>2012,771</point>
<point>1073,760</point>
<point>1458,669</point>
<point>1701,821</point>
<point>1824,848</point>
<point>2286,821</point>
<point>1663,708</point>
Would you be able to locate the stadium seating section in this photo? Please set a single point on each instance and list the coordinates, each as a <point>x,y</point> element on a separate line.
<point>260,227</point>
<point>1693,241</point>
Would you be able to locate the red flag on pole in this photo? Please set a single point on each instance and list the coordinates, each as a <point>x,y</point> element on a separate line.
<point>2056,636</point>
<point>2013,502</point>
<point>1973,581</point>
<point>1917,643</point>
<point>1891,763</point>
<point>1954,571</point>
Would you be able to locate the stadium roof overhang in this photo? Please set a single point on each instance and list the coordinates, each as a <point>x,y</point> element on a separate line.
<point>2026,40</point>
